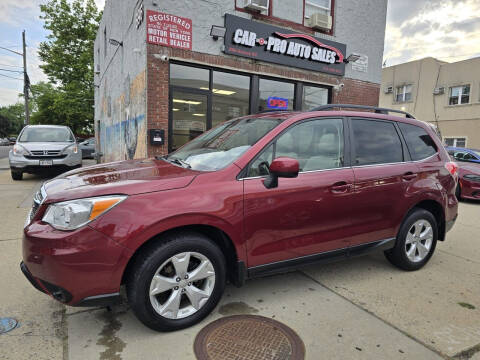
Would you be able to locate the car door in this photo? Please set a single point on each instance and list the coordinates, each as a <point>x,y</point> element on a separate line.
<point>382,175</point>
<point>306,215</point>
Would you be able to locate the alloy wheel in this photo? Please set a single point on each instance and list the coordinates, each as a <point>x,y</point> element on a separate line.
<point>419,240</point>
<point>182,285</point>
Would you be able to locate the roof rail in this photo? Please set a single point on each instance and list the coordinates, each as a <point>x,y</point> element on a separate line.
<point>377,110</point>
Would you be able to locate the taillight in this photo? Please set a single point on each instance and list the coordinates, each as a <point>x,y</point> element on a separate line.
<point>452,168</point>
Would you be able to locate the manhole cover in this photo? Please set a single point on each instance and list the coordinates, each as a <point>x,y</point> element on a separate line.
<point>248,337</point>
<point>7,324</point>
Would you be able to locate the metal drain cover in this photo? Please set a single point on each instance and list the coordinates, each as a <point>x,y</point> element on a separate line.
<point>248,337</point>
<point>7,324</point>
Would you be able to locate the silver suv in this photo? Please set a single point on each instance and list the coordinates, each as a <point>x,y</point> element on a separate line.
<point>44,147</point>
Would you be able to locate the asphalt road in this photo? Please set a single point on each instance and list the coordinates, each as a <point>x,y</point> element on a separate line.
<point>4,151</point>
<point>358,309</point>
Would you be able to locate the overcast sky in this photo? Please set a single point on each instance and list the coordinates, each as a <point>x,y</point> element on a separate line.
<point>445,29</point>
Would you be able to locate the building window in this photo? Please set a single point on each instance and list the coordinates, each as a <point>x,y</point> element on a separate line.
<point>314,96</point>
<point>231,95</point>
<point>403,93</point>
<point>459,95</point>
<point>455,141</point>
<point>188,76</point>
<point>317,6</point>
<point>275,95</point>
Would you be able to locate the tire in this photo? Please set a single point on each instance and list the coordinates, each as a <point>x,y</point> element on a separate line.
<point>408,246</point>
<point>17,175</point>
<point>458,192</point>
<point>158,259</point>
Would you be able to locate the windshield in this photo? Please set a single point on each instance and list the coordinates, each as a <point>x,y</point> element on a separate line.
<point>44,134</point>
<point>224,144</point>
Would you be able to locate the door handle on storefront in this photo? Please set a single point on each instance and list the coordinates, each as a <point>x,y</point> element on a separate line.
<point>409,176</point>
<point>340,187</point>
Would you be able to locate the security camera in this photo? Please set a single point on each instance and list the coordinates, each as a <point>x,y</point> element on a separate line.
<point>339,87</point>
<point>161,57</point>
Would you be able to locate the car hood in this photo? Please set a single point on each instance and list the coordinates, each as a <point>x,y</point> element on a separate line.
<point>37,146</point>
<point>123,177</point>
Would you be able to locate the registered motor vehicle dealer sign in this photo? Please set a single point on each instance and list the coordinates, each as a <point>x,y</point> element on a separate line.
<point>273,44</point>
<point>169,30</point>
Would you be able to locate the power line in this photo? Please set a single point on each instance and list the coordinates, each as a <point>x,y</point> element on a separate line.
<point>14,66</point>
<point>15,71</point>
<point>11,77</point>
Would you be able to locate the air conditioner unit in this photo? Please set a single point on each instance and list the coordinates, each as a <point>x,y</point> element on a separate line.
<point>320,21</point>
<point>258,5</point>
<point>439,90</point>
<point>388,90</point>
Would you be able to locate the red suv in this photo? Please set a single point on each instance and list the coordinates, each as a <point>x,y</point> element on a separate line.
<point>256,195</point>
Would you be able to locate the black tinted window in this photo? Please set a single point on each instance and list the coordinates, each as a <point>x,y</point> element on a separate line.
<point>376,142</point>
<point>419,143</point>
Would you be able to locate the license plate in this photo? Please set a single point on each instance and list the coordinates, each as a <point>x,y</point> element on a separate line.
<point>46,162</point>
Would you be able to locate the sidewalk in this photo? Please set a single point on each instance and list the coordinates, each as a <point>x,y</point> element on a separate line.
<point>40,333</point>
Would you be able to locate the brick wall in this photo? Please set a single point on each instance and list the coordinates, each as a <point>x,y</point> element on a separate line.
<point>353,91</point>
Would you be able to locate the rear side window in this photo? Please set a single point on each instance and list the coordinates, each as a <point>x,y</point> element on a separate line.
<point>419,143</point>
<point>376,142</point>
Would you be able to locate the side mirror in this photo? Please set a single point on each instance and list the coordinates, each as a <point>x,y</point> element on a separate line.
<point>281,167</point>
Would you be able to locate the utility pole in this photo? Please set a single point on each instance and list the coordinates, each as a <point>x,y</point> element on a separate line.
<point>26,80</point>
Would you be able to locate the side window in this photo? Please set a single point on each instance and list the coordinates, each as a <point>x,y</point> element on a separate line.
<point>316,144</point>
<point>376,142</point>
<point>419,143</point>
<point>259,166</point>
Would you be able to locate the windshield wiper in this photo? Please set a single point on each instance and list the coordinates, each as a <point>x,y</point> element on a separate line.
<point>176,161</point>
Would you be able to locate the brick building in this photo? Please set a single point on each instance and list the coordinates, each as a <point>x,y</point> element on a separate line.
<point>165,71</point>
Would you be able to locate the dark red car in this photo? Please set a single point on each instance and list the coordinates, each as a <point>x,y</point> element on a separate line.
<point>256,195</point>
<point>468,181</point>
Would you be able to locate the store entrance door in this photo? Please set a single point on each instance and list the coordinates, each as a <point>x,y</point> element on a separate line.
<point>190,115</point>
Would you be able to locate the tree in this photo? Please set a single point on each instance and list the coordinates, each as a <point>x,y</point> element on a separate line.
<point>11,119</point>
<point>68,63</point>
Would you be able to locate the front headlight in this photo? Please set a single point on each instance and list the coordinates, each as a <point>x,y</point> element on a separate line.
<point>71,215</point>
<point>19,150</point>
<point>71,149</point>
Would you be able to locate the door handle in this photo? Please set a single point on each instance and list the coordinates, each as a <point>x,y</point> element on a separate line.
<point>340,187</point>
<point>409,176</point>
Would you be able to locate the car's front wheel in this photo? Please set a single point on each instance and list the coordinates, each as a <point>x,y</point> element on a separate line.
<point>415,242</point>
<point>16,175</point>
<point>177,282</point>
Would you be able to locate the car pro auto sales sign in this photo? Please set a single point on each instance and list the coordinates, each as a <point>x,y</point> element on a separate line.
<point>169,30</point>
<point>281,46</point>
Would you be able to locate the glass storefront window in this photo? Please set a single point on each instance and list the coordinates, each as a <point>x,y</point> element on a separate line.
<point>231,94</point>
<point>314,96</point>
<point>188,76</point>
<point>189,112</point>
<point>275,95</point>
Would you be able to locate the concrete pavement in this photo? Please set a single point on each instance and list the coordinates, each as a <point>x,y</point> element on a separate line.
<point>358,309</point>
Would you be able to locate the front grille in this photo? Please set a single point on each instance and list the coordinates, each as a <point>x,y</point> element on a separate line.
<point>45,157</point>
<point>45,152</point>
<point>471,177</point>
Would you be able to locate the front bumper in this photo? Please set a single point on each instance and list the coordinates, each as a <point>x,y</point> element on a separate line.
<point>20,162</point>
<point>470,189</point>
<point>78,268</point>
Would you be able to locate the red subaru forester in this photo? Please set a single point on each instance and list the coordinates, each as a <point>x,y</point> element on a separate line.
<point>254,196</point>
